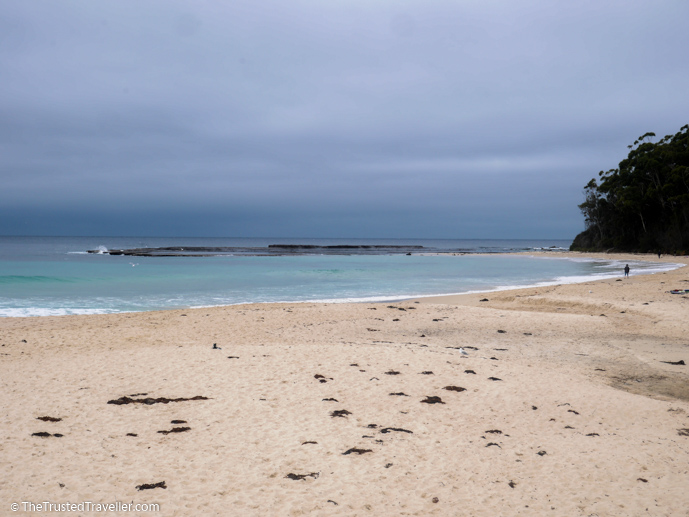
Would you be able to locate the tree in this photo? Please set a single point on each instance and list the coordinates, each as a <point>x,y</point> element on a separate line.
<point>643,205</point>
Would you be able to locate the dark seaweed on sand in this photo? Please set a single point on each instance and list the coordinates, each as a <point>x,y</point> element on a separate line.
<point>398,429</point>
<point>340,413</point>
<point>149,401</point>
<point>357,451</point>
<point>454,388</point>
<point>399,394</point>
<point>149,486</point>
<point>433,400</point>
<point>176,430</point>
<point>300,477</point>
<point>48,419</point>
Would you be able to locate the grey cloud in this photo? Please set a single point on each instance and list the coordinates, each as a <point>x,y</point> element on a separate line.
<point>330,117</point>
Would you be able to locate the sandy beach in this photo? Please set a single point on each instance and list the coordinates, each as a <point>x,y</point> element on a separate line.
<point>566,402</point>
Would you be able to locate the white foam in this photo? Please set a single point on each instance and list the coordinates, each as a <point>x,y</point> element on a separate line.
<point>27,312</point>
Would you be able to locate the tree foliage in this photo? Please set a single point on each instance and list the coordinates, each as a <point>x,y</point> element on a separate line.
<point>643,205</point>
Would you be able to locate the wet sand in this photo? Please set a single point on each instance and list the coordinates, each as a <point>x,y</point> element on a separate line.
<point>566,403</point>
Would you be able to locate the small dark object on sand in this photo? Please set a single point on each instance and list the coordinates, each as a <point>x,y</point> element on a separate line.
<point>642,480</point>
<point>42,434</point>
<point>454,388</point>
<point>512,484</point>
<point>354,364</point>
<point>149,486</point>
<point>388,465</point>
<point>178,421</point>
<point>399,394</point>
<point>600,370</point>
<point>149,401</point>
<point>534,408</point>
<point>48,419</point>
<point>137,394</point>
<point>392,372</point>
<point>541,453</point>
<point>331,501</point>
<point>423,335</point>
<point>683,432</point>
<point>435,500</point>
<point>358,451</point>
<point>483,300</point>
<point>433,400</point>
<point>470,371</point>
<point>471,348</point>
<point>176,430</point>
<point>342,413</point>
<point>372,426</point>
<point>306,443</point>
<point>330,400</point>
<point>494,431</point>
<point>299,477</point>
<point>500,349</point>
<point>494,379</point>
<point>502,332</point>
<point>495,444</point>
<point>398,429</point>
<point>494,358</point>
<point>676,363</point>
<point>569,427</point>
<point>132,434</point>
<point>427,373</point>
<point>593,434</point>
<point>572,411</point>
<point>58,435</point>
<point>528,334</point>
<point>233,357</point>
<point>216,347</point>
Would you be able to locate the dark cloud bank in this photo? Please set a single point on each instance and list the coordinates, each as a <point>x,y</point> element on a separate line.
<point>326,119</point>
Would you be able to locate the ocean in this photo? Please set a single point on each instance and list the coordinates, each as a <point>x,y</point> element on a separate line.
<point>49,276</point>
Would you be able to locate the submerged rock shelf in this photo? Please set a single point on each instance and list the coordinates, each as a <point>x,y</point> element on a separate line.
<point>271,250</point>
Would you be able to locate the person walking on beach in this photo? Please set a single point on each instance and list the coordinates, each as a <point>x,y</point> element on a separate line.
<point>626,270</point>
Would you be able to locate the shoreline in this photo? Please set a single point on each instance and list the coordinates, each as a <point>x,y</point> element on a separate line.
<point>562,255</point>
<point>570,400</point>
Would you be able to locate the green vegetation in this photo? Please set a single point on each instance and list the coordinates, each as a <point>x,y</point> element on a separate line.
<point>644,204</point>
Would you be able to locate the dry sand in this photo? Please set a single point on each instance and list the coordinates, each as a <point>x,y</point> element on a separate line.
<point>570,409</point>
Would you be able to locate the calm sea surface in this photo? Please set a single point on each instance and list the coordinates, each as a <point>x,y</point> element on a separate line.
<point>42,276</point>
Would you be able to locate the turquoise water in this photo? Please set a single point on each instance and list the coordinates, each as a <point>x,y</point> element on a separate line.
<point>55,276</point>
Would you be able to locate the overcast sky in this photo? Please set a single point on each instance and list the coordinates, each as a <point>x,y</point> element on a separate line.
<point>312,118</point>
